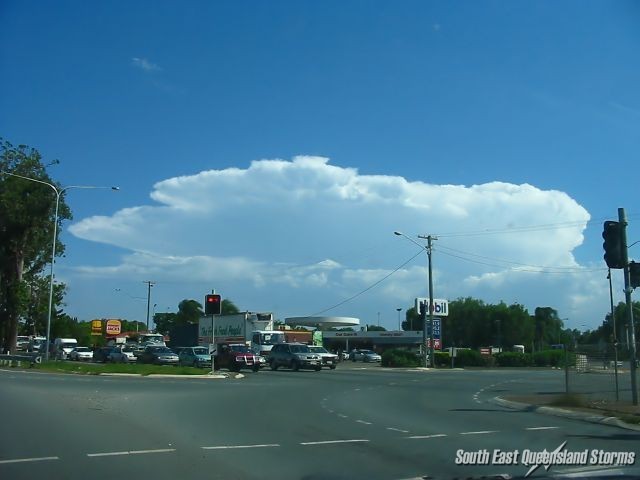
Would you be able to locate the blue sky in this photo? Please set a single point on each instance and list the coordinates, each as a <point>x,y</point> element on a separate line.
<point>269,149</point>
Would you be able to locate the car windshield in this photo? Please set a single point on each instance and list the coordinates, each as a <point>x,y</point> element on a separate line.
<point>82,349</point>
<point>240,348</point>
<point>300,349</point>
<point>318,349</point>
<point>271,338</point>
<point>164,350</point>
<point>201,351</point>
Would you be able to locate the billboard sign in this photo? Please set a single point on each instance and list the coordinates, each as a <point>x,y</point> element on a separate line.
<point>114,327</point>
<point>440,306</point>
<point>96,327</point>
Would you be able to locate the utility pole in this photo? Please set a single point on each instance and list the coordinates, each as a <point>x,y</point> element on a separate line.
<point>429,239</point>
<point>622,218</point>
<point>615,337</point>
<point>149,285</point>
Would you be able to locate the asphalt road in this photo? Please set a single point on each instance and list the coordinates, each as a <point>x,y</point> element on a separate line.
<point>354,422</point>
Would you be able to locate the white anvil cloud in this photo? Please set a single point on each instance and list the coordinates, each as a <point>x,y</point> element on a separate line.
<point>309,225</point>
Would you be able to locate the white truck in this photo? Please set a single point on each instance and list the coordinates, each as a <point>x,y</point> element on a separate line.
<point>63,346</point>
<point>252,329</point>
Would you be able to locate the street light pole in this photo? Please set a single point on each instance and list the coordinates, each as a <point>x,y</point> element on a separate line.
<point>58,193</point>
<point>149,285</point>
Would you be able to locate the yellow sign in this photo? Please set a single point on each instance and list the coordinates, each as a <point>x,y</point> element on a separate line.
<point>96,327</point>
<point>114,327</point>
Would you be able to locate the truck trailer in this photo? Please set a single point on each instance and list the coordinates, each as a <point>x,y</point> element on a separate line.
<point>252,329</point>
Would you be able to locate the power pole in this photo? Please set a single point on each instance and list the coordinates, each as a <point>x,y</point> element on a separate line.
<point>149,285</point>
<point>429,239</point>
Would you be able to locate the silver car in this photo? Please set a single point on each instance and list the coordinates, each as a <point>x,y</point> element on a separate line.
<point>367,356</point>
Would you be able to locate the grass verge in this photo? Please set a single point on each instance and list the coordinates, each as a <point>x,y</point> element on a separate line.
<point>131,368</point>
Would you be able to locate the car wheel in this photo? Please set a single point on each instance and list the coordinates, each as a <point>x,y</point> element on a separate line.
<point>273,366</point>
<point>317,369</point>
<point>333,367</point>
<point>256,368</point>
<point>295,366</point>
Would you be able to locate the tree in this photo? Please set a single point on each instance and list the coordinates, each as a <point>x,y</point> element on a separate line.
<point>189,313</point>
<point>412,320</point>
<point>375,328</point>
<point>27,213</point>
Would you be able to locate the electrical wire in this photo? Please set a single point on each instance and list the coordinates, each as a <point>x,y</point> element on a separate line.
<point>366,289</point>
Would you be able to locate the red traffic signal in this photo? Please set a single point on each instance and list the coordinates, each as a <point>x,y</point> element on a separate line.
<point>212,304</point>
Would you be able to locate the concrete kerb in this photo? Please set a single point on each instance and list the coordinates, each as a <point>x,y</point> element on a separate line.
<point>561,412</point>
<point>217,376</point>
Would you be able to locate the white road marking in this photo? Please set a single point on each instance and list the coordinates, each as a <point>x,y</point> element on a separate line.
<point>342,416</point>
<point>131,452</point>
<point>327,442</point>
<point>479,433</point>
<point>230,447</point>
<point>362,421</point>
<point>541,428</point>
<point>159,450</point>
<point>428,436</point>
<point>397,430</point>
<point>106,454</point>
<point>34,459</point>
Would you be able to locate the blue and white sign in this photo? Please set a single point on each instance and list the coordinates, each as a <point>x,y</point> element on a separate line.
<point>440,306</point>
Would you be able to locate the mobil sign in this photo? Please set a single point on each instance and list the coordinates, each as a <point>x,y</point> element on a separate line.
<point>440,306</point>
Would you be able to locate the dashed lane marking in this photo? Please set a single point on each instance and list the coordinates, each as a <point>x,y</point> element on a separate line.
<point>482,432</point>
<point>397,430</point>
<point>131,452</point>
<point>541,428</point>
<point>231,447</point>
<point>436,435</point>
<point>24,460</point>
<point>363,422</point>
<point>328,442</point>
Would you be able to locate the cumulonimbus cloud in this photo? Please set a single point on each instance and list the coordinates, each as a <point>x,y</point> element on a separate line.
<point>276,216</point>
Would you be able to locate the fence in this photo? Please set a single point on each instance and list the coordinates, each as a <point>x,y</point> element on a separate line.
<point>599,375</point>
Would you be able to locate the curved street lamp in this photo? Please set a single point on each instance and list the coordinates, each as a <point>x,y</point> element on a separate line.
<point>58,193</point>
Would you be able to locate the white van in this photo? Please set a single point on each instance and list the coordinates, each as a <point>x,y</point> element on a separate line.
<point>63,346</point>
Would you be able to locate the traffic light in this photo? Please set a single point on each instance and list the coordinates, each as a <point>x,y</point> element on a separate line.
<point>634,274</point>
<point>212,305</point>
<point>613,248</point>
<point>423,310</point>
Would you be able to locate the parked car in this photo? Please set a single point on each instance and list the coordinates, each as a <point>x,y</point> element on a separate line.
<point>366,356</point>
<point>294,356</point>
<point>22,343</point>
<point>81,353</point>
<point>122,354</point>
<point>158,355</point>
<point>194,357</point>
<point>101,354</point>
<point>328,359</point>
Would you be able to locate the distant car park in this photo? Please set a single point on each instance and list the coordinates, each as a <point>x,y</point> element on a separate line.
<point>101,354</point>
<point>121,354</point>
<point>158,355</point>
<point>79,354</point>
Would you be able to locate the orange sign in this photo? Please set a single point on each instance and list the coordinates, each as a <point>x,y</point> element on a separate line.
<point>113,327</point>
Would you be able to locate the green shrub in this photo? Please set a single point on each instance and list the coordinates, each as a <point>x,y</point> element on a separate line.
<point>400,358</point>
<point>442,359</point>
<point>470,358</point>
<point>548,358</point>
<point>514,359</point>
